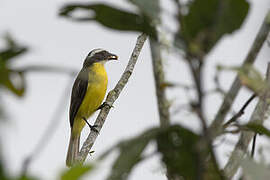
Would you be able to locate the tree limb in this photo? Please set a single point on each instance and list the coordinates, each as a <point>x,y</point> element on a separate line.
<point>111,98</point>
<point>216,126</point>
<point>163,105</point>
<point>49,131</point>
<point>258,116</point>
<point>240,112</point>
<point>49,69</point>
<point>196,68</point>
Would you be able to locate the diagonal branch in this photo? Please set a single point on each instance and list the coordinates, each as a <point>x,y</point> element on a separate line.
<point>47,69</point>
<point>50,130</point>
<point>163,105</point>
<point>111,98</point>
<point>216,126</point>
<point>240,112</point>
<point>258,116</point>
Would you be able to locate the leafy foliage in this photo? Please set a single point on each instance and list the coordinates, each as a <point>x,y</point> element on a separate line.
<point>130,154</point>
<point>76,172</point>
<point>177,145</point>
<point>11,79</point>
<point>145,5</point>
<point>179,152</point>
<point>24,177</point>
<point>258,128</point>
<point>2,173</point>
<point>110,17</point>
<point>207,21</point>
<point>249,77</point>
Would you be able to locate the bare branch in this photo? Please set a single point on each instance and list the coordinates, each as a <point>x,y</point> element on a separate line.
<point>50,130</point>
<point>163,105</point>
<point>196,68</point>
<point>111,98</point>
<point>258,116</point>
<point>240,112</point>
<point>49,69</point>
<point>216,126</point>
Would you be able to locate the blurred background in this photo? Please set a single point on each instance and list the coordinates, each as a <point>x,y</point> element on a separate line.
<point>58,42</point>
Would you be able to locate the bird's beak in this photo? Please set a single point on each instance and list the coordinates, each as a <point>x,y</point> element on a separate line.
<point>113,57</point>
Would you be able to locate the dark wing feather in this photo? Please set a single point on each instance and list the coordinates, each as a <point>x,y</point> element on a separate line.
<point>78,92</point>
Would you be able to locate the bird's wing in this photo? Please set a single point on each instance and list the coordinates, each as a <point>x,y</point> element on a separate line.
<point>78,92</point>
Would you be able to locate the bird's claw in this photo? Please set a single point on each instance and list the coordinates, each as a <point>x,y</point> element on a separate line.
<point>104,104</point>
<point>92,127</point>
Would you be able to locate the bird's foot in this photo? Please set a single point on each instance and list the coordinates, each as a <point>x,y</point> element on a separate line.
<point>91,153</point>
<point>92,127</point>
<point>104,104</point>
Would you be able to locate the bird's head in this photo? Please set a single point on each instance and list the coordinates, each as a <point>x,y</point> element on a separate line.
<point>99,56</point>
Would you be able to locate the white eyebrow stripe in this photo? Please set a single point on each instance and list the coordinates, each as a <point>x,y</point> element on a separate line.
<point>94,51</point>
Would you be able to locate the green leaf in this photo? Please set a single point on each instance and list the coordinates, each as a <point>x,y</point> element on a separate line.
<point>110,17</point>
<point>24,177</point>
<point>257,128</point>
<point>207,21</point>
<point>249,77</point>
<point>179,152</point>
<point>186,154</point>
<point>254,170</point>
<point>76,172</point>
<point>130,154</point>
<point>11,51</point>
<point>178,147</point>
<point>11,79</point>
<point>2,173</point>
<point>145,5</point>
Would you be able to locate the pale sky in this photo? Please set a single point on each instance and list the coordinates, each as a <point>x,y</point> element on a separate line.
<point>57,41</point>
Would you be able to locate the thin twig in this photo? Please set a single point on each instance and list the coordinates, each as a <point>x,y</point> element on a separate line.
<point>216,126</point>
<point>163,105</point>
<point>111,98</point>
<point>47,69</point>
<point>50,130</point>
<point>218,84</point>
<point>240,112</point>
<point>258,116</point>
<point>253,145</point>
<point>196,68</point>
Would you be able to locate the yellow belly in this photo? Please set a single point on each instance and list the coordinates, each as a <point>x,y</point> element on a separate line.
<point>96,90</point>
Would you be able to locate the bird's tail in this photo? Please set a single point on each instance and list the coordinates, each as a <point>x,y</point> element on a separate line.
<point>73,149</point>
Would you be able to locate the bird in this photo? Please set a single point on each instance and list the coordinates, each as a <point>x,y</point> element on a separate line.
<point>87,94</point>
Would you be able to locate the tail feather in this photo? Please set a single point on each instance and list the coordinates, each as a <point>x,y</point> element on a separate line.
<point>73,149</point>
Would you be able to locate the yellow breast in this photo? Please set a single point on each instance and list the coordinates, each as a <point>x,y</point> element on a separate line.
<point>96,90</point>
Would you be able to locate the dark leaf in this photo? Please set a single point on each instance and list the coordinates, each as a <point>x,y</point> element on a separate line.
<point>24,177</point>
<point>130,154</point>
<point>2,172</point>
<point>11,79</point>
<point>145,6</point>
<point>178,147</point>
<point>110,17</point>
<point>249,77</point>
<point>76,172</point>
<point>207,21</point>
<point>179,151</point>
<point>260,129</point>
<point>186,154</point>
<point>11,51</point>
